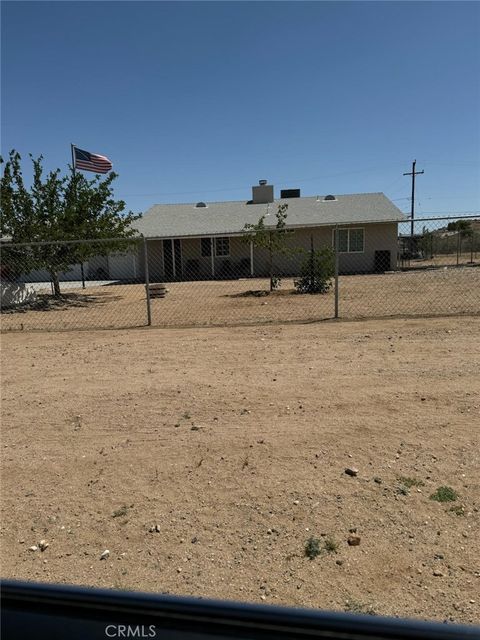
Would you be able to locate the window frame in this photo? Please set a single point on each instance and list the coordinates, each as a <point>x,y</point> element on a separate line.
<point>223,239</point>
<point>348,229</point>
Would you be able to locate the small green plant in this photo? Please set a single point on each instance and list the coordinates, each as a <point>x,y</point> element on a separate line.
<point>120,512</point>
<point>331,546</point>
<point>355,606</point>
<point>410,482</point>
<point>444,494</point>
<point>402,490</point>
<point>312,548</point>
<point>316,272</point>
<point>458,509</point>
<point>186,415</point>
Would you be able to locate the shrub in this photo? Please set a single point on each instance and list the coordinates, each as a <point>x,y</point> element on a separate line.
<point>316,272</point>
<point>458,510</point>
<point>444,494</point>
<point>312,548</point>
<point>410,482</point>
<point>355,606</point>
<point>331,546</point>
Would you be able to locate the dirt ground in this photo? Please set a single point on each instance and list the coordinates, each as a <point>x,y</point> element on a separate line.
<point>234,444</point>
<point>217,303</point>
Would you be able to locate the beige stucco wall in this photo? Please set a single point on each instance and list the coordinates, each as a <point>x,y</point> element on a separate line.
<point>155,261</point>
<point>195,266</point>
<point>376,237</point>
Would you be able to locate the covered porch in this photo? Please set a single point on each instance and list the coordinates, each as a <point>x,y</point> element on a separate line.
<point>207,258</point>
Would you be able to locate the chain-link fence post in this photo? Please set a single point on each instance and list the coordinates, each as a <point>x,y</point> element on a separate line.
<point>147,283</point>
<point>336,271</point>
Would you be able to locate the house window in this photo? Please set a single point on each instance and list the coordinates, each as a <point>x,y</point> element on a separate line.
<point>206,247</point>
<point>350,240</point>
<point>222,247</point>
<point>355,240</point>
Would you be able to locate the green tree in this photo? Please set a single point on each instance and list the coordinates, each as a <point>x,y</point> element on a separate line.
<point>425,243</point>
<point>57,209</point>
<point>464,230</point>
<point>463,226</point>
<point>273,239</point>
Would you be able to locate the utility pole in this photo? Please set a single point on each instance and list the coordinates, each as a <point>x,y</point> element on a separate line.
<point>413,173</point>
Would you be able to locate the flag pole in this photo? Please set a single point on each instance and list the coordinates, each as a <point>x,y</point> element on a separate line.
<point>72,146</point>
<point>75,187</point>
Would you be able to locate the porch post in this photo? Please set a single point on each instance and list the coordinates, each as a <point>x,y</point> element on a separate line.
<point>212,255</point>
<point>251,257</point>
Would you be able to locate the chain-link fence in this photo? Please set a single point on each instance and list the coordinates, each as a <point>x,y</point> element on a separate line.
<point>348,271</point>
<point>72,285</point>
<point>436,273</point>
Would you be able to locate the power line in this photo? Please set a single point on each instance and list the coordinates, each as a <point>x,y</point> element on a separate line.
<point>280,182</point>
<point>462,163</point>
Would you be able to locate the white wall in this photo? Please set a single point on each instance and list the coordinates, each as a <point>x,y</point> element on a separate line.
<point>123,266</point>
<point>42,275</point>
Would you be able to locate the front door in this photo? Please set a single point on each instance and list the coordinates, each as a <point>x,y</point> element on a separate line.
<point>172,260</point>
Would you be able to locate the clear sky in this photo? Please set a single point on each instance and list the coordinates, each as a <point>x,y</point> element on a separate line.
<point>199,100</point>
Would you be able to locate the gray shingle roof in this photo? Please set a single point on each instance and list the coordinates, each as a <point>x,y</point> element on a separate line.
<point>226,218</point>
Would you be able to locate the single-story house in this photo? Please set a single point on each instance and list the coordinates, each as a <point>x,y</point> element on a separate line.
<point>204,240</point>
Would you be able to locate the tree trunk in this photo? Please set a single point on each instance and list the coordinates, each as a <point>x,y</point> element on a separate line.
<point>312,266</point>
<point>56,284</point>
<point>271,264</point>
<point>83,275</point>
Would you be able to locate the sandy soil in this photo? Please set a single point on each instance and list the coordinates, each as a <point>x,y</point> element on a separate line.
<point>235,443</point>
<point>420,293</point>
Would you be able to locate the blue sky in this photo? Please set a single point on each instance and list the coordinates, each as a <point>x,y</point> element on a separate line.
<point>199,100</point>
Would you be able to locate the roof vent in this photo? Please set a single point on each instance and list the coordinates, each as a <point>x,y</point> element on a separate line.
<point>262,182</point>
<point>200,205</point>
<point>329,198</point>
<point>290,193</point>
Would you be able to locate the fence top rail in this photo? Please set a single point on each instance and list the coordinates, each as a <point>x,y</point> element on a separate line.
<point>457,217</point>
<point>39,243</point>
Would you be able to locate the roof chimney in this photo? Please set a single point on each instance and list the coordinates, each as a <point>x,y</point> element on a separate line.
<point>263,193</point>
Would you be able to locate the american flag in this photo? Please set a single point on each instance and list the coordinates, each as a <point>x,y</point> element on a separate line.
<point>91,161</point>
